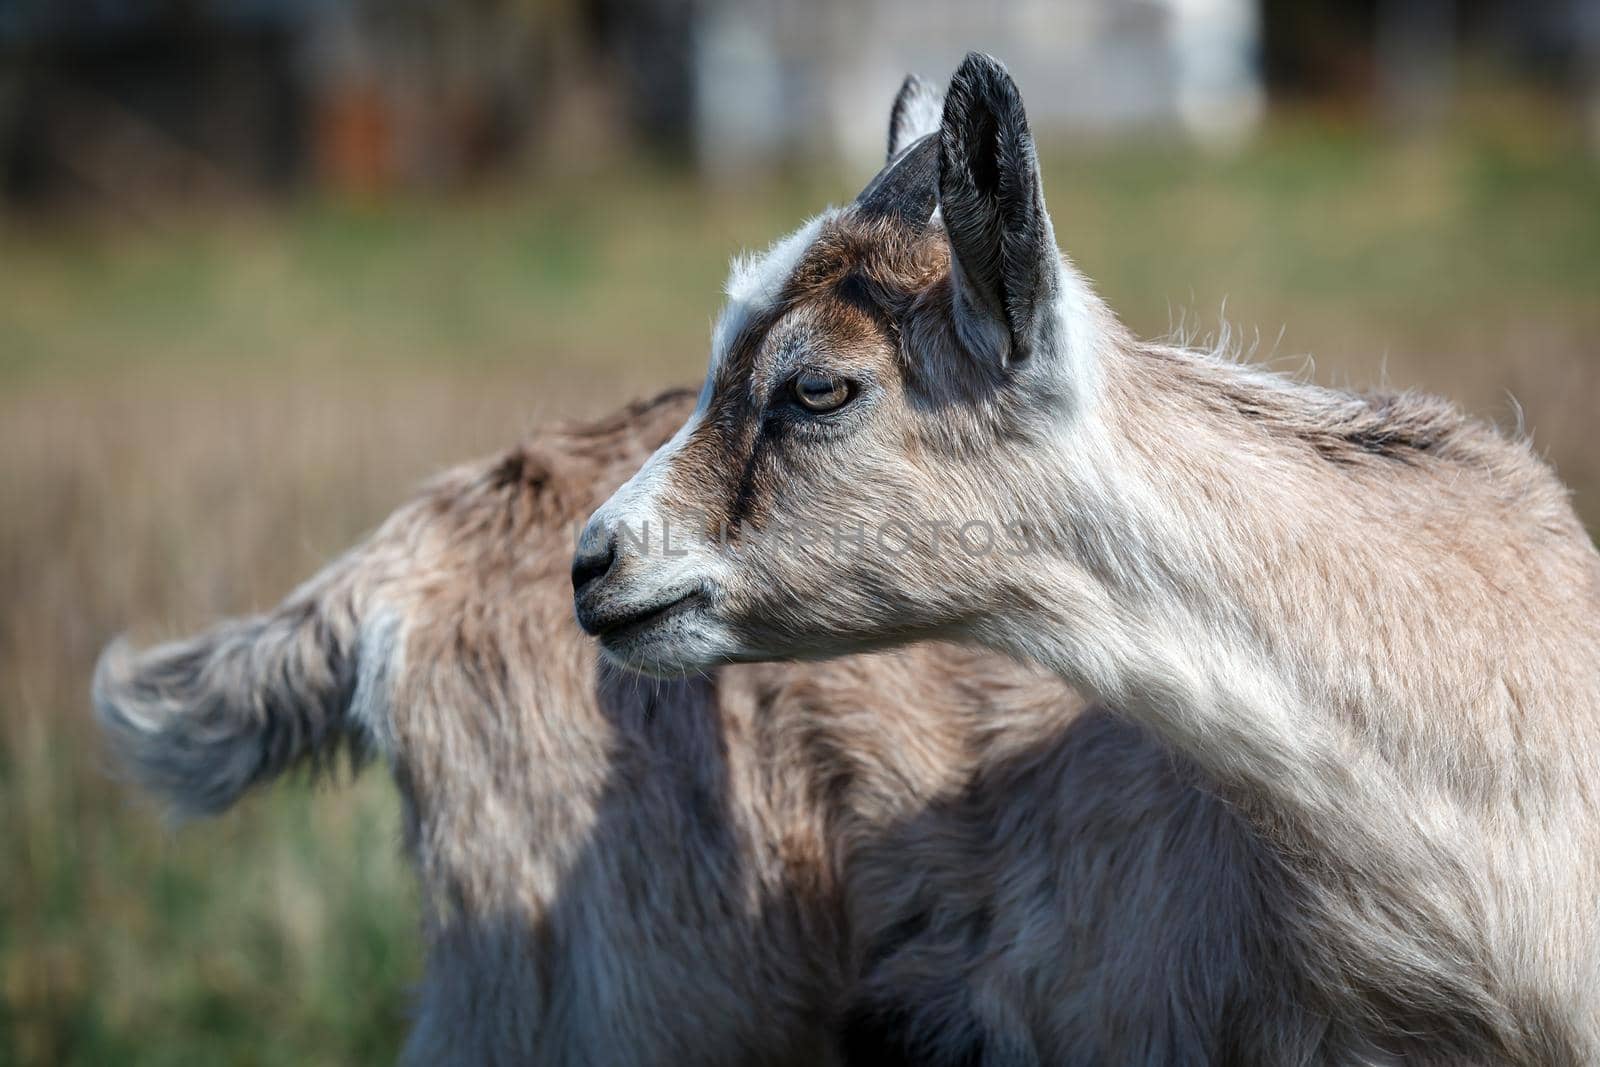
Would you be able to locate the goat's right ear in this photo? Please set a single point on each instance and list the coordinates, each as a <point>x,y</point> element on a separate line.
<point>918,109</point>
<point>1003,255</point>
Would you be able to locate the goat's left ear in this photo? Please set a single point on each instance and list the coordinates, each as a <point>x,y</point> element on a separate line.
<point>918,109</point>
<point>1004,260</point>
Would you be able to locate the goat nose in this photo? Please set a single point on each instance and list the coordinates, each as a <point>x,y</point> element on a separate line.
<point>597,550</point>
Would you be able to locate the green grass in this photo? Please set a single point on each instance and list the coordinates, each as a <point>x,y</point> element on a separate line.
<point>278,935</point>
<point>196,412</point>
<point>1310,228</point>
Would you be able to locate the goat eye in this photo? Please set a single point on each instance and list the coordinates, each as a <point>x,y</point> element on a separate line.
<point>819,393</point>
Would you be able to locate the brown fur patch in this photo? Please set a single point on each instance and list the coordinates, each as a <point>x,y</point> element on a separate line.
<point>853,287</point>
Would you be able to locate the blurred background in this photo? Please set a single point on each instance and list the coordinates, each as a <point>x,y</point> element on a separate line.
<point>264,264</point>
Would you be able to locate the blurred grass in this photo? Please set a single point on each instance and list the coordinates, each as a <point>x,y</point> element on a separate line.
<point>197,411</point>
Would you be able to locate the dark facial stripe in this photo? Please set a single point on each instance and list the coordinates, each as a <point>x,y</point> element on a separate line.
<point>746,499</point>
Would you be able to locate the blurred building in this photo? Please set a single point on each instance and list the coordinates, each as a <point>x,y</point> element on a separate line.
<point>773,77</point>
<point>130,99</point>
<point>107,95</point>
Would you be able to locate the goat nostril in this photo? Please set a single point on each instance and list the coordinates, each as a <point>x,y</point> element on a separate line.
<point>592,561</point>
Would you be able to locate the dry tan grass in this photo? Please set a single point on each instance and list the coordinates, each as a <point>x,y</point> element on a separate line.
<point>159,504</point>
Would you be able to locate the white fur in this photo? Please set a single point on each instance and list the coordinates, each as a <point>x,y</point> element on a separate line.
<point>380,659</point>
<point>920,114</point>
<point>754,282</point>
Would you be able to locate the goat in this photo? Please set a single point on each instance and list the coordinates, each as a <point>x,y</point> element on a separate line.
<point>764,865</point>
<point>1370,623</point>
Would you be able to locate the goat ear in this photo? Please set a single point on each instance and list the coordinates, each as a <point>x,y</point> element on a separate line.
<point>907,189</point>
<point>1003,255</point>
<point>918,108</point>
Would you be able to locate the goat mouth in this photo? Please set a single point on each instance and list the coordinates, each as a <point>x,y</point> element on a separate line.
<point>621,627</point>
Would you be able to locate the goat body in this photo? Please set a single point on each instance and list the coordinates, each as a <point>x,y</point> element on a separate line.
<point>1372,622</point>
<point>932,856</point>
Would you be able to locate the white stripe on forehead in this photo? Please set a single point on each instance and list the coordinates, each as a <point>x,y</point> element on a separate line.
<point>753,286</point>
<point>755,282</point>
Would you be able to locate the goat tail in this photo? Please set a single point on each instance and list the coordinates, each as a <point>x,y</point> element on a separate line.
<point>200,721</point>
